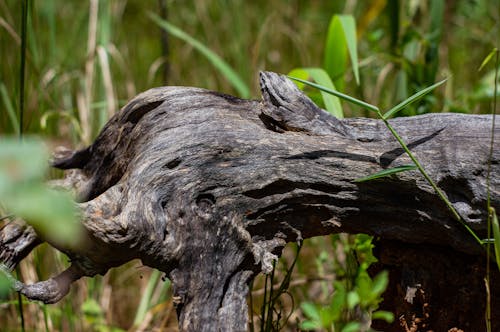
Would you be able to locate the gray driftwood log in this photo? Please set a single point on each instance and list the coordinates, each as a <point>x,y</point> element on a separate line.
<point>209,188</point>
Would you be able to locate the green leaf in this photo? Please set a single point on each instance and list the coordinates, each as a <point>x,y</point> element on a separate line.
<point>352,327</point>
<point>91,309</point>
<point>23,192</point>
<point>310,325</point>
<point>341,39</point>
<point>412,99</point>
<point>5,285</point>
<point>384,315</point>
<point>338,301</point>
<point>310,311</point>
<point>496,234</point>
<point>345,97</point>
<point>327,317</point>
<point>364,287</point>
<point>50,212</point>
<point>488,58</point>
<point>320,76</point>
<point>387,172</point>
<point>217,61</point>
<point>21,161</point>
<point>380,283</point>
<point>300,73</point>
<point>364,250</point>
<point>352,299</point>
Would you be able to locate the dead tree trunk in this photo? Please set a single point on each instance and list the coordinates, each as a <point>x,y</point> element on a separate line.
<point>209,188</point>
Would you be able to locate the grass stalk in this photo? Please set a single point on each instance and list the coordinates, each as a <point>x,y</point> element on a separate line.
<point>489,208</point>
<point>270,302</point>
<point>163,9</point>
<point>107,81</point>
<point>20,305</point>
<point>22,76</point>
<point>22,67</point>
<point>429,180</point>
<point>84,105</point>
<point>264,306</point>
<point>341,95</point>
<point>251,326</point>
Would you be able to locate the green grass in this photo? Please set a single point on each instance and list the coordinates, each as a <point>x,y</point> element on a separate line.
<point>85,59</point>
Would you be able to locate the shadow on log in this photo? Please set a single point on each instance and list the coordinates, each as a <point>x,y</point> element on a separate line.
<point>208,188</point>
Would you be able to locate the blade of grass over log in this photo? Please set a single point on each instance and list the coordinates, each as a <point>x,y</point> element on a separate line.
<point>387,172</point>
<point>401,142</point>
<point>496,234</point>
<point>345,97</point>
<point>411,99</point>
<point>217,61</point>
<point>319,75</point>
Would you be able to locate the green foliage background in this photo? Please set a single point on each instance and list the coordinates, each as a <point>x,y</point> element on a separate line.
<point>85,59</point>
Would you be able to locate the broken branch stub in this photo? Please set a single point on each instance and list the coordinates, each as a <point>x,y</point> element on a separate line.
<point>209,188</point>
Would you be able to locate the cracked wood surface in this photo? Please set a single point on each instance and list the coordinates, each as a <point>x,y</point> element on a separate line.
<point>209,188</point>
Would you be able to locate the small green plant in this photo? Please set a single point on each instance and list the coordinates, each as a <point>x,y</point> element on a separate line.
<point>356,295</point>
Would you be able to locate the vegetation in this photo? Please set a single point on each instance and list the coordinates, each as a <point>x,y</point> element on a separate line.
<point>85,59</point>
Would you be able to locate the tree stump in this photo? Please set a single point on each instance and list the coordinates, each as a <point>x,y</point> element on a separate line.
<point>208,188</point>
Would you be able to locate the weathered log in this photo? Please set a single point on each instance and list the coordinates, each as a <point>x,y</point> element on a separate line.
<point>209,188</point>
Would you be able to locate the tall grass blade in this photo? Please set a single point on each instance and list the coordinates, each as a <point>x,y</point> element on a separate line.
<point>436,19</point>
<point>491,211</point>
<point>433,40</point>
<point>488,302</point>
<point>11,112</point>
<point>84,100</point>
<point>319,75</point>
<point>66,115</point>
<point>496,234</point>
<point>340,41</point>
<point>488,58</point>
<point>387,172</point>
<point>108,84</point>
<point>145,303</point>
<point>22,67</point>
<point>217,61</point>
<point>411,99</point>
<point>349,26</point>
<point>341,95</point>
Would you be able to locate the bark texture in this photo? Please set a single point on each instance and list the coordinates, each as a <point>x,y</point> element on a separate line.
<point>209,188</point>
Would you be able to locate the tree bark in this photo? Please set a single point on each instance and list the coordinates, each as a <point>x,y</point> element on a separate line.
<point>209,188</point>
